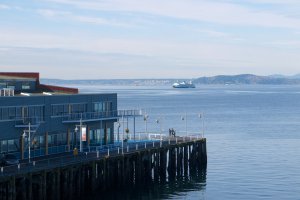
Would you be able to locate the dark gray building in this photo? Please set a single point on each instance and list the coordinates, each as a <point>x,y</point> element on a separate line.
<point>54,116</point>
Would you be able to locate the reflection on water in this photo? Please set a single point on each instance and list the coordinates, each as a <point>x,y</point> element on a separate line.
<point>158,189</point>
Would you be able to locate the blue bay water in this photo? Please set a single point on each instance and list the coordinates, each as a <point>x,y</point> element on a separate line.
<point>253,137</point>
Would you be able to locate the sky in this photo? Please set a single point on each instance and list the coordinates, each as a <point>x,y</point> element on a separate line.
<point>112,39</point>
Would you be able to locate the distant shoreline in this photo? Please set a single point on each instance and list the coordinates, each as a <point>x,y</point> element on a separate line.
<point>242,79</point>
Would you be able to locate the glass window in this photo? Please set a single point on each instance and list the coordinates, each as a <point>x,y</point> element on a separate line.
<point>25,86</point>
<point>78,108</point>
<point>2,85</point>
<point>108,135</point>
<point>36,142</point>
<point>98,106</point>
<point>3,146</point>
<point>18,112</point>
<point>61,139</point>
<point>52,140</point>
<point>101,136</point>
<point>58,110</point>
<point>12,112</point>
<point>12,146</point>
<point>42,141</point>
<point>107,106</point>
<point>92,136</point>
<point>4,113</point>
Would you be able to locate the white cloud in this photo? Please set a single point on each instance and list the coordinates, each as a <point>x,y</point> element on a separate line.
<point>4,7</point>
<point>49,13</point>
<point>201,10</point>
<point>134,56</point>
<point>52,13</point>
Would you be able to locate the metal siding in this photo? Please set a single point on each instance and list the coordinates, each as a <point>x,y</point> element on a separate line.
<point>8,130</point>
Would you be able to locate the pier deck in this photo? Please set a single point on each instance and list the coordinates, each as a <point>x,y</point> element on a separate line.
<point>70,176</point>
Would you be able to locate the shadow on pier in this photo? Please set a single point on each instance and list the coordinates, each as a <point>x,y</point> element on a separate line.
<point>196,181</point>
<point>152,171</point>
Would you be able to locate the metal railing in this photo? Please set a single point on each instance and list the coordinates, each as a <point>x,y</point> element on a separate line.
<point>126,113</point>
<point>89,154</point>
<point>89,116</point>
<point>25,121</point>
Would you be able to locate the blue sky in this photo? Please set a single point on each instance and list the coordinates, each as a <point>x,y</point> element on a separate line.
<point>149,38</point>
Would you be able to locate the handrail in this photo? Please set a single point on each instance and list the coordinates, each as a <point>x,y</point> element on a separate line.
<point>89,154</point>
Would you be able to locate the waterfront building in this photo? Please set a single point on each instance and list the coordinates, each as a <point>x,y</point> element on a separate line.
<point>48,119</point>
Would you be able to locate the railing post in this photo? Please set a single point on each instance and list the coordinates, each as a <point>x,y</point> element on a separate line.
<point>97,154</point>
<point>145,145</point>
<point>118,150</point>
<point>136,146</point>
<point>127,148</point>
<point>108,152</point>
<point>153,143</point>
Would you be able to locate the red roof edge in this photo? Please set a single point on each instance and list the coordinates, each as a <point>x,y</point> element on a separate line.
<point>52,88</point>
<point>34,75</point>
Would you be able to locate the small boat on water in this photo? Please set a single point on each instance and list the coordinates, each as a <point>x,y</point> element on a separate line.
<point>184,84</point>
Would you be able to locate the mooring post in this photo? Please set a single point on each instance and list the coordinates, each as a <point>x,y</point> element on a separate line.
<point>12,188</point>
<point>29,186</point>
<point>71,184</point>
<point>178,151</point>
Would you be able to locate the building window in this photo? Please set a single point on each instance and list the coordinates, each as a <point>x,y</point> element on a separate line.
<point>102,106</point>
<point>11,85</point>
<point>2,85</point>
<point>60,109</point>
<point>78,108</point>
<point>4,113</point>
<point>12,112</point>
<point>12,145</point>
<point>61,139</point>
<point>65,109</point>
<point>3,146</point>
<point>98,106</point>
<point>108,133</point>
<point>107,105</point>
<point>25,86</point>
<point>57,139</point>
<point>42,141</point>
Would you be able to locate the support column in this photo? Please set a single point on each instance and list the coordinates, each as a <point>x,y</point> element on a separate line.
<point>29,186</point>
<point>88,138</point>
<point>69,139</point>
<point>105,133</point>
<point>46,143</point>
<point>22,146</point>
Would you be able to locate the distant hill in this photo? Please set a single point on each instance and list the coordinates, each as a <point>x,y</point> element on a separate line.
<point>247,79</point>
<point>220,79</point>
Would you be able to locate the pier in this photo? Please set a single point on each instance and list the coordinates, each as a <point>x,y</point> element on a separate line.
<point>73,176</point>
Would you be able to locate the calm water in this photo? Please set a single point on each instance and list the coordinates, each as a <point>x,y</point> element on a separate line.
<point>253,138</point>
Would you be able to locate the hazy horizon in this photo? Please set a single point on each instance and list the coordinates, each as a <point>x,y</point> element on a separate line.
<point>80,39</point>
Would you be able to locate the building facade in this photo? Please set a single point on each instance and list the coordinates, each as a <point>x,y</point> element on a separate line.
<point>51,119</point>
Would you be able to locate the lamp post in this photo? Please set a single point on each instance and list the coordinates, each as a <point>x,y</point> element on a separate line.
<point>80,132</point>
<point>29,142</point>
<point>119,125</point>
<point>158,121</point>
<point>185,119</point>
<point>145,120</point>
<point>201,116</point>
<point>123,134</point>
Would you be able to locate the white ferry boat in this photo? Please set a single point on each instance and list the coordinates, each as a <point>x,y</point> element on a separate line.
<point>184,84</point>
